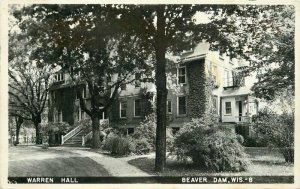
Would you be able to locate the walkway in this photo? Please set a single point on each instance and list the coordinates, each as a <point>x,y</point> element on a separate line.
<point>115,166</point>
<point>67,161</point>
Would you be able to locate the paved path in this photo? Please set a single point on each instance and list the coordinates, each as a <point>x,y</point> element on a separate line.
<point>67,161</point>
<point>115,166</point>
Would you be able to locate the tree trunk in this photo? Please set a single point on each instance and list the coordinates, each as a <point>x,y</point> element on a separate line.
<point>19,122</point>
<point>17,133</point>
<point>38,137</point>
<point>160,76</point>
<point>96,132</point>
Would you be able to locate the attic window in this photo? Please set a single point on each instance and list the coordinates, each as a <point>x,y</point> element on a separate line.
<point>59,77</point>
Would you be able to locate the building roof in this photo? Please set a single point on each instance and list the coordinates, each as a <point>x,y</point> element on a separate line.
<point>199,52</point>
<point>236,92</point>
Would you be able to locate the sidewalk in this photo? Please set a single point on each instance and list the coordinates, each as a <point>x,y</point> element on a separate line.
<point>115,166</point>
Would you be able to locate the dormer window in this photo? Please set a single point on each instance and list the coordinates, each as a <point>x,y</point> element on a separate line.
<point>59,77</point>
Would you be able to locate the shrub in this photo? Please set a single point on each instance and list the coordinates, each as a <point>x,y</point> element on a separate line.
<point>119,145</point>
<point>142,146</point>
<point>278,130</point>
<point>145,134</point>
<point>209,147</point>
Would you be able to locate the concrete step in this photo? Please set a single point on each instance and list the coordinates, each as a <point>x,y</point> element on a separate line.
<point>73,144</point>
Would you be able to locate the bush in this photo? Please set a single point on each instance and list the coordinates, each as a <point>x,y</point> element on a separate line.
<point>142,146</point>
<point>119,145</point>
<point>277,130</point>
<point>144,135</point>
<point>209,147</point>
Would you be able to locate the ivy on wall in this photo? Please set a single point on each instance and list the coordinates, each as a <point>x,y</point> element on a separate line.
<point>63,99</point>
<point>196,101</point>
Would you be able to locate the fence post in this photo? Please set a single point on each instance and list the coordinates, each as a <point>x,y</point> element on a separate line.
<point>62,139</point>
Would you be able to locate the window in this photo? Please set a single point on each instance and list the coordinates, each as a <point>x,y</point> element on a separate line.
<point>137,80</point>
<point>228,79</point>
<point>137,107</point>
<point>59,116</point>
<point>215,104</point>
<point>130,131</point>
<point>228,108</point>
<point>182,105</point>
<point>123,86</point>
<point>181,75</point>
<point>123,107</point>
<point>169,106</point>
<point>59,77</point>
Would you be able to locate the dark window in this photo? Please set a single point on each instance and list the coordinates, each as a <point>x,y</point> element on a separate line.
<point>130,131</point>
<point>59,77</point>
<point>181,105</point>
<point>175,130</point>
<point>181,75</point>
<point>227,107</point>
<point>123,86</point>
<point>169,106</point>
<point>123,107</point>
<point>137,107</point>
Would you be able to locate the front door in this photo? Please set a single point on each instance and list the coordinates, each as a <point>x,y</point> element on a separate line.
<point>240,110</point>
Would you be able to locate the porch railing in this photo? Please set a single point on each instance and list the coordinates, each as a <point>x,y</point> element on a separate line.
<point>243,119</point>
<point>64,138</point>
<point>90,134</point>
<point>86,138</point>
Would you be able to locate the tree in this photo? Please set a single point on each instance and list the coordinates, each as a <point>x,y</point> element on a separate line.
<point>28,84</point>
<point>264,36</point>
<point>166,29</point>
<point>81,41</point>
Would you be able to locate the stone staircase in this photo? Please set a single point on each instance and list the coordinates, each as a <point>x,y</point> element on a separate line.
<point>76,140</point>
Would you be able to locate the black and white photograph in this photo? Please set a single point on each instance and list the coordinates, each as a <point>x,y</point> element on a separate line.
<point>150,93</point>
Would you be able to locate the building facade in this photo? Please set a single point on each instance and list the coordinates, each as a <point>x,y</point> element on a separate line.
<point>200,81</point>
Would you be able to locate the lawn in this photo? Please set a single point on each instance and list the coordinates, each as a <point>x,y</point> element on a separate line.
<point>267,164</point>
<point>34,161</point>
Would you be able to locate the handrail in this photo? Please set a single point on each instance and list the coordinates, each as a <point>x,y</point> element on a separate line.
<point>89,135</point>
<point>86,138</point>
<point>64,138</point>
<point>244,119</point>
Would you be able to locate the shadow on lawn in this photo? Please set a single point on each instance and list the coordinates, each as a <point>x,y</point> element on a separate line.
<point>173,167</point>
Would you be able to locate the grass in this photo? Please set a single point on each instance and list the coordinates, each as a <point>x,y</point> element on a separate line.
<point>35,161</point>
<point>266,165</point>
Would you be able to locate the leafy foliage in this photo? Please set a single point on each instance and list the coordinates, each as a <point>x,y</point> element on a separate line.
<point>278,130</point>
<point>119,145</point>
<point>209,147</point>
<point>264,36</point>
<point>91,48</point>
<point>146,131</point>
<point>28,80</point>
